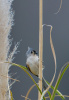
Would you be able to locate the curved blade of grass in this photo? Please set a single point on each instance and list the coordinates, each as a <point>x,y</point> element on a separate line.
<point>49,94</point>
<point>59,8</point>
<point>63,70</point>
<point>54,56</point>
<point>32,88</point>
<point>57,91</point>
<point>25,69</point>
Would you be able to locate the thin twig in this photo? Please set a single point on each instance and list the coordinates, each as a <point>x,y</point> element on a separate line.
<point>25,97</point>
<point>10,78</point>
<point>29,91</point>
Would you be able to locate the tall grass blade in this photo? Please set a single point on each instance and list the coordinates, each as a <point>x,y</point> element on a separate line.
<point>49,94</point>
<point>62,71</point>
<point>57,91</point>
<point>54,56</point>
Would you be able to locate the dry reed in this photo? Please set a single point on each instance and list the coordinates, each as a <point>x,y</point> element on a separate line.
<point>40,45</point>
<point>6,19</point>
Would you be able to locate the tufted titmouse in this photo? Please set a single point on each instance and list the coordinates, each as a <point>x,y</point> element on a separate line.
<point>32,64</point>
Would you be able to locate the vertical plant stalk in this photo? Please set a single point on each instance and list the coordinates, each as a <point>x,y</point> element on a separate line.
<point>6,18</point>
<point>40,45</point>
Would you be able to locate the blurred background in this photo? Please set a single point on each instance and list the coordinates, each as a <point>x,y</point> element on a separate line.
<point>26,30</point>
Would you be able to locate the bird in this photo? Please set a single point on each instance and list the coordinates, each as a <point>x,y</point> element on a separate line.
<point>32,64</point>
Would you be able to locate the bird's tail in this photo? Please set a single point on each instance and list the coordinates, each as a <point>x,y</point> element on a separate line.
<point>44,84</point>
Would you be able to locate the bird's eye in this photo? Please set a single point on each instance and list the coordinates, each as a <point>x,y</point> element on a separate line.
<point>31,51</point>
